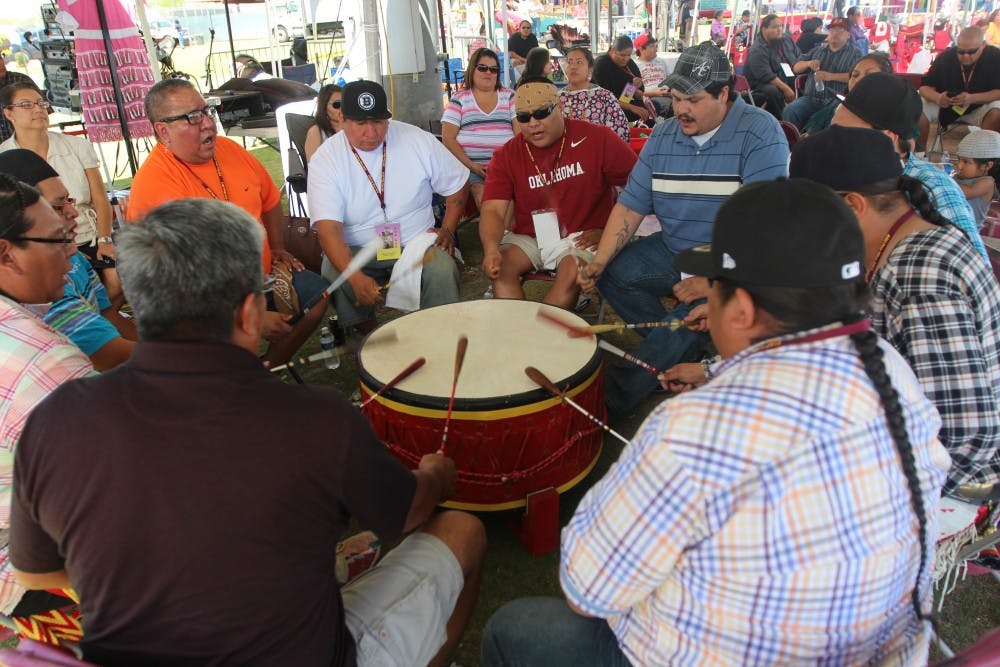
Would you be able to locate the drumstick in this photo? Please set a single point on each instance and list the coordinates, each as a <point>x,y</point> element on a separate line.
<point>305,361</point>
<point>605,345</point>
<point>463,342</point>
<point>403,374</point>
<point>673,324</point>
<point>365,255</point>
<point>539,378</point>
<point>573,330</point>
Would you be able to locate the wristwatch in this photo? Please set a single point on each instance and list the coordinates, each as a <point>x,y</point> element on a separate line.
<point>105,239</point>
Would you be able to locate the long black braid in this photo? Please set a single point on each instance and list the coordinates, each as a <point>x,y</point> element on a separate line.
<point>800,309</point>
<point>884,196</point>
<point>871,355</point>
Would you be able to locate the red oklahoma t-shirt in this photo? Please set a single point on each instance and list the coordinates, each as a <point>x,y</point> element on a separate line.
<point>580,188</point>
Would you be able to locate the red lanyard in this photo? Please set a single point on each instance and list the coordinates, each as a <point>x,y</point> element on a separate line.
<point>968,79</point>
<point>558,157</point>
<point>888,237</point>
<point>378,193</point>
<point>218,171</point>
<point>842,330</point>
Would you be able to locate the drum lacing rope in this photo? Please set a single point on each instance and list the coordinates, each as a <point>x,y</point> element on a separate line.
<point>500,479</point>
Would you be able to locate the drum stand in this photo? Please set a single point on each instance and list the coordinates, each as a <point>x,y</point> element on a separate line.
<point>538,527</point>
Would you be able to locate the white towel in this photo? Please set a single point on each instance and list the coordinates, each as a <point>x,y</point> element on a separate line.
<point>404,293</point>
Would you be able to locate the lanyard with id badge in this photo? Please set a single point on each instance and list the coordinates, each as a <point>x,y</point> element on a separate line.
<point>548,232</point>
<point>390,233</point>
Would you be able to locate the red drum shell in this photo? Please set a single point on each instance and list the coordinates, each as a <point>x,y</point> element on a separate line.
<point>504,447</point>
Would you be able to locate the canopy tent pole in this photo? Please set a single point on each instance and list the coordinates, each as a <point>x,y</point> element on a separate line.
<point>503,42</point>
<point>229,29</point>
<point>444,48</point>
<point>116,85</point>
<point>147,38</point>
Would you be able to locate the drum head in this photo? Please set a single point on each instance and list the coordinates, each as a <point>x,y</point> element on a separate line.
<point>505,336</point>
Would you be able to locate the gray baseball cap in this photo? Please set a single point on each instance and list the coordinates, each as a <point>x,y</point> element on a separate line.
<point>698,67</point>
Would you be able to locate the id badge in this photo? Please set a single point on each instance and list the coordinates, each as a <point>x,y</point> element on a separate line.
<point>546,227</point>
<point>628,93</point>
<point>786,69</point>
<point>391,235</point>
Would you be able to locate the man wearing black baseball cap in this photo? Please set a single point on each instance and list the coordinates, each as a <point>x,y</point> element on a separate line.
<point>888,103</point>
<point>714,143</point>
<point>698,543</point>
<point>935,298</point>
<point>377,177</point>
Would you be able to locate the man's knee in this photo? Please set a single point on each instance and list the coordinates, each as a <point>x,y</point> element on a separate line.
<point>991,121</point>
<point>442,267</point>
<point>463,534</point>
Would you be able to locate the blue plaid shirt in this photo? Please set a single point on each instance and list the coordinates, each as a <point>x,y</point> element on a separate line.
<point>764,519</point>
<point>948,198</point>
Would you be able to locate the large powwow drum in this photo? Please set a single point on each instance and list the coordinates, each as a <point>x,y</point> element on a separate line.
<point>508,436</point>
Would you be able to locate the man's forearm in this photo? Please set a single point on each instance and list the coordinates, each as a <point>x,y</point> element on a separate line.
<point>985,97</point>
<point>492,218</point>
<point>43,581</point>
<point>454,206</point>
<point>274,225</point>
<point>929,93</point>
<point>333,243</point>
<point>622,224</point>
<point>429,494</point>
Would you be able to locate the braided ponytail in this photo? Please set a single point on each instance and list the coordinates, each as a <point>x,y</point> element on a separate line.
<point>917,195</point>
<point>866,342</point>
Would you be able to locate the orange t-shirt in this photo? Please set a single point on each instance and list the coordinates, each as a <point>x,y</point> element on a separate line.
<point>164,178</point>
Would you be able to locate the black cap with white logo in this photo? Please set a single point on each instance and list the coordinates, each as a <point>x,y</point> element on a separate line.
<point>783,233</point>
<point>364,100</point>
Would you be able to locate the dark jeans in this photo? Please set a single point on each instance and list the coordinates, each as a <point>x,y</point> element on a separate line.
<point>531,632</point>
<point>633,283</point>
<point>774,99</point>
<point>801,110</point>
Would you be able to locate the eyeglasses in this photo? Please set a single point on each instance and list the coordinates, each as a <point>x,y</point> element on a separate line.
<point>193,117</point>
<point>492,69</point>
<point>335,104</point>
<point>66,238</point>
<point>69,201</point>
<point>967,52</point>
<point>537,114</point>
<point>41,104</point>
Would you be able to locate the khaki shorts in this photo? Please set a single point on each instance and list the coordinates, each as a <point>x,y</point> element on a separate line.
<point>974,117</point>
<point>398,610</point>
<point>541,261</point>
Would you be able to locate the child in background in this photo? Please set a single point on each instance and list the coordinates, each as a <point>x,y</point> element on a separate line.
<point>977,169</point>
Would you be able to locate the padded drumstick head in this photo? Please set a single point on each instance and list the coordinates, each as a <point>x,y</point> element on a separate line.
<point>573,331</point>
<point>539,378</point>
<point>463,343</point>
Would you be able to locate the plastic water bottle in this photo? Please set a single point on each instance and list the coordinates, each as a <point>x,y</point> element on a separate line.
<point>818,85</point>
<point>328,344</point>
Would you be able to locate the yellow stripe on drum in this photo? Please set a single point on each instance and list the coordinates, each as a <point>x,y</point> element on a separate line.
<point>480,415</point>
<point>515,504</point>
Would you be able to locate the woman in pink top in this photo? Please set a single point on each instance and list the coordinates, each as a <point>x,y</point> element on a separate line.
<point>479,118</point>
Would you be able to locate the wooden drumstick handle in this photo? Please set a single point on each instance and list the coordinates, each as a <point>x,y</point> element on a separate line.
<point>539,378</point>
<point>463,343</point>
<point>403,374</point>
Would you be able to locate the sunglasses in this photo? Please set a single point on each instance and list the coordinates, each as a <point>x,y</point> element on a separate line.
<point>193,117</point>
<point>41,104</point>
<point>492,69</point>
<point>537,114</point>
<point>967,52</point>
<point>335,104</point>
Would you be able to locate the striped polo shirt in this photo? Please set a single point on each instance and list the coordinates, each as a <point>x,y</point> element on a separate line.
<point>684,184</point>
<point>480,133</point>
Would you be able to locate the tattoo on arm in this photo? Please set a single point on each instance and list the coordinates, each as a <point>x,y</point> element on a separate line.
<point>622,237</point>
